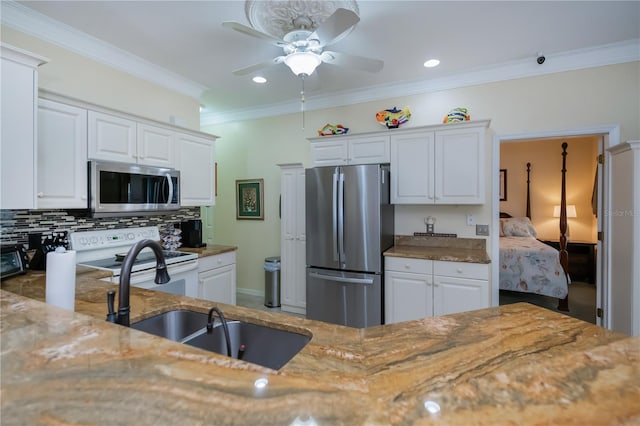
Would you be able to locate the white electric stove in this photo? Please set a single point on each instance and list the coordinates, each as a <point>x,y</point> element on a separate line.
<point>107,249</point>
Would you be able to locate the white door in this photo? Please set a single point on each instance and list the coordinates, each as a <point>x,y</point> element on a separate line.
<point>407,296</point>
<point>369,150</point>
<point>111,138</point>
<point>195,160</point>
<point>412,157</point>
<point>17,152</point>
<point>62,156</point>
<point>459,166</point>
<point>155,146</point>
<point>452,295</point>
<point>218,285</point>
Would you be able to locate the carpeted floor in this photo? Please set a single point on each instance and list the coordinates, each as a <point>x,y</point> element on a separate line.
<point>582,301</point>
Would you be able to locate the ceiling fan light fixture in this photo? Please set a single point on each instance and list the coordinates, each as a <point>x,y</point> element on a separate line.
<point>431,63</point>
<point>302,62</point>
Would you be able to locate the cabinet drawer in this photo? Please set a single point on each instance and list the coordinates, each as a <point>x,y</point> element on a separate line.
<point>217,261</point>
<point>477,271</point>
<point>407,264</point>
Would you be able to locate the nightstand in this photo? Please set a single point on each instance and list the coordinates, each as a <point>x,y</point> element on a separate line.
<point>582,259</point>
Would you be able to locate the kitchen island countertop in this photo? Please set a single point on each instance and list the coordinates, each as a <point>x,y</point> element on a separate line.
<point>514,364</point>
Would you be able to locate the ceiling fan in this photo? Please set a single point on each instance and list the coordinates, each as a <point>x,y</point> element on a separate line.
<point>304,48</point>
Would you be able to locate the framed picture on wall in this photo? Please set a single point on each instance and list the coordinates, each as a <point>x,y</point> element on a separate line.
<point>503,184</point>
<point>250,199</point>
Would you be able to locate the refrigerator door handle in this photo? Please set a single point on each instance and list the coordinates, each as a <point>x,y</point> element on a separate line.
<point>334,210</point>
<point>341,218</point>
<point>341,279</point>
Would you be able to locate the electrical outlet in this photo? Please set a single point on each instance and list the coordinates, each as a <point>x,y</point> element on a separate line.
<point>471,220</point>
<point>482,230</point>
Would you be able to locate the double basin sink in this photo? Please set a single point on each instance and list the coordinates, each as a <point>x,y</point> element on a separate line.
<point>258,344</point>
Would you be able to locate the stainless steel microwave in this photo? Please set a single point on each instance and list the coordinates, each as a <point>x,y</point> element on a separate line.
<point>120,189</point>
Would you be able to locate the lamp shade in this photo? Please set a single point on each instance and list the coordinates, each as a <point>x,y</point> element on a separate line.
<point>302,62</point>
<point>571,211</point>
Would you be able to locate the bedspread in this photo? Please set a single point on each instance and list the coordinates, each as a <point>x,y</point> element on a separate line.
<point>531,266</point>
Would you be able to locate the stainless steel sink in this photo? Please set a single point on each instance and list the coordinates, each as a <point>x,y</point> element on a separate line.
<point>174,325</point>
<point>266,346</point>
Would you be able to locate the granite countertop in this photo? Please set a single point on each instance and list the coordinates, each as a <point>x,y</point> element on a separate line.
<point>470,250</point>
<point>515,364</point>
<point>209,250</point>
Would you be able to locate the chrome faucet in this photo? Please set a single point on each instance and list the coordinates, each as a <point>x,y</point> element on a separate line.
<point>162,277</point>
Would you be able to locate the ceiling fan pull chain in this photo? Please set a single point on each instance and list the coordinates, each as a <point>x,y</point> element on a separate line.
<point>302,101</point>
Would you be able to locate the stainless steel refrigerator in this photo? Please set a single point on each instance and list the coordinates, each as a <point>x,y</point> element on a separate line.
<point>349,224</point>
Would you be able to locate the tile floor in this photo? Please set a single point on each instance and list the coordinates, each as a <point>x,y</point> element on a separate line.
<point>257,302</point>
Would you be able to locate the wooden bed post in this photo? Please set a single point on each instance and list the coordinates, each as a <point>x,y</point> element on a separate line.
<point>563,304</point>
<point>528,193</point>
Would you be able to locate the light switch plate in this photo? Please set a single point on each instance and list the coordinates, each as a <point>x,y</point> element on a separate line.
<point>482,230</point>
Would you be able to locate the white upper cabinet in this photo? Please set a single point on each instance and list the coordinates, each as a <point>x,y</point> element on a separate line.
<point>343,150</point>
<point>156,146</point>
<point>18,108</point>
<point>442,165</point>
<point>195,158</point>
<point>412,158</point>
<point>62,156</point>
<point>459,166</point>
<point>111,138</point>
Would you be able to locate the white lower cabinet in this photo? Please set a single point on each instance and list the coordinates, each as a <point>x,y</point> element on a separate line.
<point>420,288</point>
<point>459,287</point>
<point>217,278</point>
<point>408,289</point>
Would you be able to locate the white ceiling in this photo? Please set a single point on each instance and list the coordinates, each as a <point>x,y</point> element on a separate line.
<point>182,44</point>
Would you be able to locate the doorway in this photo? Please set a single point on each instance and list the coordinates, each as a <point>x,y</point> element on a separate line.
<point>606,137</point>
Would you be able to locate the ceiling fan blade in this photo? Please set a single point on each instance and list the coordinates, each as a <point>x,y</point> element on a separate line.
<point>256,67</point>
<point>352,61</point>
<point>253,33</point>
<point>334,26</point>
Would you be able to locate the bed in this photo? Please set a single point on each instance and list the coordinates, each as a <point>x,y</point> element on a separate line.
<point>529,265</point>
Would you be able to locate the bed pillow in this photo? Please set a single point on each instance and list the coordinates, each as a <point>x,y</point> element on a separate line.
<point>518,227</point>
<point>501,225</point>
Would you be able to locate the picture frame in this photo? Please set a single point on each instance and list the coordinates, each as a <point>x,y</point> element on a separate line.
<point>503,184</point>
<point>250,199</point>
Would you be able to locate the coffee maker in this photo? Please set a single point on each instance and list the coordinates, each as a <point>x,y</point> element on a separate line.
<point>192,233</point>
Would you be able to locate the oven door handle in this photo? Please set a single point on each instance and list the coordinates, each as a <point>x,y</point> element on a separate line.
<point>147,275</point>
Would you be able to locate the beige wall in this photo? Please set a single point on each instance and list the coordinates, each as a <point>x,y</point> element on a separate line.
<point>545,177</point>
<point>72,75</point>
<point>251,149</point>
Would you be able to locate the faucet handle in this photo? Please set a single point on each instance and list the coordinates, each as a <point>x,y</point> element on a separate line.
<point>111,312</point>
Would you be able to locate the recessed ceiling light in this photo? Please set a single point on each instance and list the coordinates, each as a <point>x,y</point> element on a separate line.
<point>259,79</point>
<point>432,63</point>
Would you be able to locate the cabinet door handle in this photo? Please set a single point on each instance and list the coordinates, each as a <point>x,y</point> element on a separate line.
<point>40,194</point>
<point>459,270</point>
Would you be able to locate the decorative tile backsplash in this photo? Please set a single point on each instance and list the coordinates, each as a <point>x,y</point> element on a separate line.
<point>16,225</point>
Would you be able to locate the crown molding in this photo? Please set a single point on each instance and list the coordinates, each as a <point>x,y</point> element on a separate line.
<point>610,54</point>
<point>31,22</point>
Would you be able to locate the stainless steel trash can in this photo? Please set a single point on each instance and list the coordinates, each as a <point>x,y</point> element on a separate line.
<point>272,282</point>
